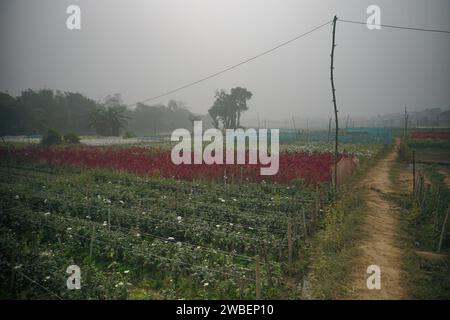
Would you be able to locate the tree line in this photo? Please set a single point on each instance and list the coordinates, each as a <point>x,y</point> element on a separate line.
<point>37,111</point>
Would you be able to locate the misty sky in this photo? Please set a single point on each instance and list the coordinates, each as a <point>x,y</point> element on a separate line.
<point>143,48</point>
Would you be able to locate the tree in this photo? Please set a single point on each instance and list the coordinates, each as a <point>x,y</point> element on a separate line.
<point>109,118</point>
<point>228,107</point>
<point>240,95</point>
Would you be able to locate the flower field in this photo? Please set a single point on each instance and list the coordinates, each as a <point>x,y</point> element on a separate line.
<point>309,166</point>
<point>130,233</point>
<point>142,228</point>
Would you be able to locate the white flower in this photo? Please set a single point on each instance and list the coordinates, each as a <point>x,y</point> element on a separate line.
<point>45,200</point>
<point>119,284</point>
<point>217,225</point>
<point>179,243</point>
<point>234,199</point>
<point>121,202</point>
<point>18,267</point>
<point>47,213</point>
<point>105,223</point>
<point>138,234</point>
<point>179,218</point>
<point>171,238</point>
<point>206,284</point>
<point>68,229</point>
<point>17,196</point>
<point>221,199</point>
<point>126,271</point>
<point>47,277</point>
<point>88,217</point>
<point>231,224</point>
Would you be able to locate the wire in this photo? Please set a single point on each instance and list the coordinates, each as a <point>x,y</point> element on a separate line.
<point>234,66</point>
<point>397,27</point>
<point>145,255</point>
<point>33,281</point>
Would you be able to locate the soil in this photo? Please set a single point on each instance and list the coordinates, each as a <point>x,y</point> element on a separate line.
<point>379,244</point>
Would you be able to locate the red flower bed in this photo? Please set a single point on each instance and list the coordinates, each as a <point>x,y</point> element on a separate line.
<point>311,167</point>
<point>438,135</point>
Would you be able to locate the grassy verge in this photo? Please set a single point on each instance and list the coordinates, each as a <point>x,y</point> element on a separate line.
<point>333,247</point>
<point>426,272</point>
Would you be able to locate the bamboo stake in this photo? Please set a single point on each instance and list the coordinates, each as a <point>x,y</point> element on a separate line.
<point>334,103</point>
<point>441,238</point>
<point>257,279</point>
<point>289,237</point>
<point>91,246</point>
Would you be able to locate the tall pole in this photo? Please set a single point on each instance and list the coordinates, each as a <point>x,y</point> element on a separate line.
<point>334,103</point>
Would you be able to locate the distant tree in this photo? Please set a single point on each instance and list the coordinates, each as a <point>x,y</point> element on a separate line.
<point>71,138</point>
<point>228,107</point>
<point>240,96</point>
<point>193,118</point>
<point>109,118</point>
<point>52,137</point>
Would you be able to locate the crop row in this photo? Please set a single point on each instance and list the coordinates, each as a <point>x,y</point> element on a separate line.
<point>310,167</point>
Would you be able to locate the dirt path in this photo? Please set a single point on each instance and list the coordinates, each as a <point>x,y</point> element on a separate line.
<point>379,239</point>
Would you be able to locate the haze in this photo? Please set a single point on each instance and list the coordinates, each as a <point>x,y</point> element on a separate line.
<point>143,48</point>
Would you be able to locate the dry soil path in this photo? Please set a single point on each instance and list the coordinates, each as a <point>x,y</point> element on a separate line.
<point>379,243</point>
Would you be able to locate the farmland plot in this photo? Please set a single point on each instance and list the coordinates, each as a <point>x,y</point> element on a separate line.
<point>146,236</point>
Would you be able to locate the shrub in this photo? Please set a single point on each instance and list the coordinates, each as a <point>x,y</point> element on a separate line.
<point>72,138</point>
<point>128,135</point>
<point>52,137</point>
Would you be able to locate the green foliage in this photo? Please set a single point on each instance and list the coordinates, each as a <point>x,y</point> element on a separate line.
<point>71,138</point>
<point>128,135</point>
<point>109,118</point>
<point>421,224</point>
<point>52,137</point>
<point>429,144</point>
<point>404,152</point>
<point>228,107</point>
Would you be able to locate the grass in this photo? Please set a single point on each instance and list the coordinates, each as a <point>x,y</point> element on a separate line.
<point>333,248</point>
<point>426,273</point>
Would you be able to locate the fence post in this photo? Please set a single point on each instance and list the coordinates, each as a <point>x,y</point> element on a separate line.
<point>414,171</point>
<point>109,219</point>
<point>257,279</point>
<point>242,169</point>
<point>305,232</point>
<point>289,236</point>
<point>441,238</point>
<point>269,270</point>
<point>91,246</point>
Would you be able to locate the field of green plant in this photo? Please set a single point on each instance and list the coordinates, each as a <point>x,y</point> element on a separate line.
<point>141,237</point>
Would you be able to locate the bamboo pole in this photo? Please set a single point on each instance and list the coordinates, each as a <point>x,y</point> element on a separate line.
<point>441,238</point>
<point>334,103</point>
<point>257,279</point>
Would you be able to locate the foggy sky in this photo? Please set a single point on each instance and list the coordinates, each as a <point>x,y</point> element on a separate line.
<point>143,48</point>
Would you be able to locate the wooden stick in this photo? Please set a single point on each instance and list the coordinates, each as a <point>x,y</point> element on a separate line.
<point>91,246</point>
<point>414,171</point>
<point>305,232</point>
<point>269,269</point>
<point>289,237</point>
<point>333,90</point>
<point>441,238</point>
<point>257,279</point>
